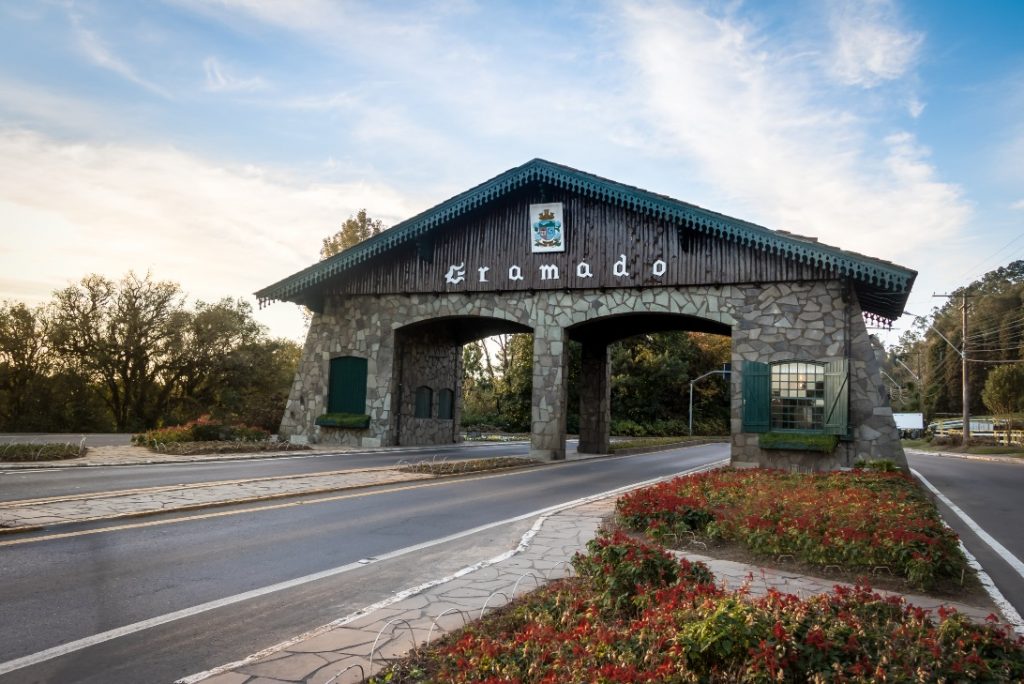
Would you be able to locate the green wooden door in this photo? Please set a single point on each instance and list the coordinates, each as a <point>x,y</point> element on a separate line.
<point>347,385</point>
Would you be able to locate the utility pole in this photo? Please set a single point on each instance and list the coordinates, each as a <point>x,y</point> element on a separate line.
<point>963,364</point>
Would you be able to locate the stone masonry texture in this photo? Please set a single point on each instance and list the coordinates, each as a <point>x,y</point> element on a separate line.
<point>803,321</point>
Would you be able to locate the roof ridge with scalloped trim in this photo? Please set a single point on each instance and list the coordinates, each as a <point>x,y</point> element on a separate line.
<point>884,276</point>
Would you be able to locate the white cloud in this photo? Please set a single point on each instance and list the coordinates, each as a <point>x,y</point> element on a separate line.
<point>75,209</point>
<point>1018,205</point>
<point>915,107</point>
<point>221,79</point>
<point>750,121</point>
<point>870,47</point>
<point>96,50</point>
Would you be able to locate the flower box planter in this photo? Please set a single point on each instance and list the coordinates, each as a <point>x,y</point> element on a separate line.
<point>345,421</point>
<point>824,444</point>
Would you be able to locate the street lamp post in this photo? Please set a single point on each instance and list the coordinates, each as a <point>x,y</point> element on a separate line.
<point>723,371</point>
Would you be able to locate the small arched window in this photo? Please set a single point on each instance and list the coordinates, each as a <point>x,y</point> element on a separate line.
<point>424,401</point>
<point>445,404</point>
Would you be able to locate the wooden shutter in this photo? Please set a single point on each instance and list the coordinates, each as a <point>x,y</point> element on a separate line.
<point>347,385</point>
<point>837,397</point>
<point>756,396</point>
<point>424,401</point>
<point>445,404</point>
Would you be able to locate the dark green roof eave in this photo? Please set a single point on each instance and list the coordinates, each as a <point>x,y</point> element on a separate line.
<point>875,274</point>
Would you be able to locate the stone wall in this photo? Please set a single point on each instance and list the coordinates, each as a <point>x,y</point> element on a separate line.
<point>427,358</point>
<point>818,322</point>
<point>811,321</point>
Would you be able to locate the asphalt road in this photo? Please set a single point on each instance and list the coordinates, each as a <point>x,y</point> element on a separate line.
<point>54,591</point>
<point>992,495</point>
<point>43,482</point>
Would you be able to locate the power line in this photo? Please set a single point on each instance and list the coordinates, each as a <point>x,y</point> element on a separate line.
<point>996,253</point>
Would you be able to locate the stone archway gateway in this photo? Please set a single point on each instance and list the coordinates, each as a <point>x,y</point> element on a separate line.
<point>564,254</point>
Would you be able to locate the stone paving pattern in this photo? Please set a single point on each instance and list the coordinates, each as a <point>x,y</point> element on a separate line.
<point>137,455</point>
<point>340,653</point>
<point>108,505</point>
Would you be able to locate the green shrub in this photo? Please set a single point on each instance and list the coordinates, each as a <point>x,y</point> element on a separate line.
<point>882,465</point>
<point>826,444</point>
<point>203,429</point>
<point>350,421</point>
<point>17,453</point>
<point>622,569</point>
<point>628,428</point>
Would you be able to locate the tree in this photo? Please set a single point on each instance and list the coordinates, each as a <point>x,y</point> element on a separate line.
<point>1004,393</point>
<point>354,230</point>
<point>651,379</point>
<point>125,337</point>
<point>210,337</point>
<point>255,381</point>
<point>24,358</point>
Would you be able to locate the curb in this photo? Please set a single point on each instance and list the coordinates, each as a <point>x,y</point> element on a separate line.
<point>994,458</point>
<point>253,499</point>
<point>667,447</point>
<point>244,456</point>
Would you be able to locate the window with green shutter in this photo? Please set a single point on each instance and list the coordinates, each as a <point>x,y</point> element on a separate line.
<point>837,397</point>
<point>756,396</point>
<point>445,404</point>
<point>796,396</point>
<point>424,401</point>
<point>346,391</point>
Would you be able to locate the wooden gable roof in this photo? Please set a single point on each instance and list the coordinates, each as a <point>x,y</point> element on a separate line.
<point>882,287</point>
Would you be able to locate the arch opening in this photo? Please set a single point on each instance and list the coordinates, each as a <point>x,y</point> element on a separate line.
<point>427,386</point>
<point>635,372</point>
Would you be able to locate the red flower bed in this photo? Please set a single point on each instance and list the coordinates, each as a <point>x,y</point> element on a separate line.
<point>857,520</point>
<point>679,627</point>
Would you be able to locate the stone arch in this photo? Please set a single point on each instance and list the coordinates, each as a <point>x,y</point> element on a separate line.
<point>596,335</point>
<point>428,354</point>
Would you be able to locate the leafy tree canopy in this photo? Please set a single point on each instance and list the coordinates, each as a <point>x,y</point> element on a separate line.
<point>354,230</point>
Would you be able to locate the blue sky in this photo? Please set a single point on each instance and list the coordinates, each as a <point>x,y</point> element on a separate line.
<point>215,143</point>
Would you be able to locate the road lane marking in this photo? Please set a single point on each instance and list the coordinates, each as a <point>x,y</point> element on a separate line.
<point>1003,552</point>
<point>271,507</point>
<point>95,639</point>
<point>158,489</point>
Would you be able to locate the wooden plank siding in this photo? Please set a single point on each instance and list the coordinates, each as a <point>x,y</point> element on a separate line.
<point>596,233</point>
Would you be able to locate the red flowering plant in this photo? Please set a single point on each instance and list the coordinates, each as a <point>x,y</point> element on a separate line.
<point>202,429</point>
<point>859,520</point>
<point>687,629</point>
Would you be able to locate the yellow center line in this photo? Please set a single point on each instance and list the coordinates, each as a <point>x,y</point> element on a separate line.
<point>254,509</point>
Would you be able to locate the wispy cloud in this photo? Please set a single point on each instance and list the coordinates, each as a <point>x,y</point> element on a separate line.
<point>93,47</point>
<point>220,78</point>
<point>915,107</point>
<point>870,46</point>
<point>750,121</point>
<point>226,232</point>
<point>1018,205</point>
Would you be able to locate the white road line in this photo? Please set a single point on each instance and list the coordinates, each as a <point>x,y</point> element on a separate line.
<point>1003,552</point>
<point>86,642</point>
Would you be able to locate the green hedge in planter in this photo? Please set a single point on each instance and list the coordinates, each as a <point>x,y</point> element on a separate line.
<point>351,421</point>
<point>825,444</point>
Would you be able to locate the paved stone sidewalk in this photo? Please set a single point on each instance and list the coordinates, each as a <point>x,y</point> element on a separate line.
<point>137,455</point>
<point>355,646</point>
<point>23,515</point>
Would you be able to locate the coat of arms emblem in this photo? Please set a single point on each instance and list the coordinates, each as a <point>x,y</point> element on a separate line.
<point>546,227</point>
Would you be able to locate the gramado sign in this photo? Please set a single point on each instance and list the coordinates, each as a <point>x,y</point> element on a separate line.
<point>547,234</point>
<point>457,272</point>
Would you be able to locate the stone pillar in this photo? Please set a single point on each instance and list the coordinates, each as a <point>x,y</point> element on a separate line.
<point>595,399</point>
<point>550,373</point>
